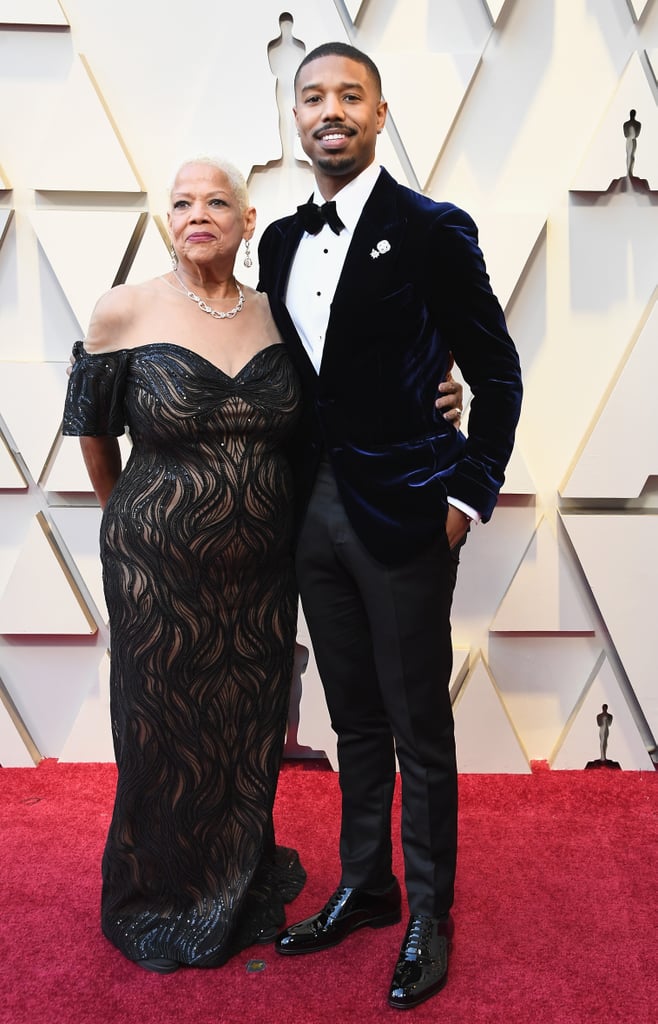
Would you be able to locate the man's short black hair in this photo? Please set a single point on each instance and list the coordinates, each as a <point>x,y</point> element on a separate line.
<point>338,49</point>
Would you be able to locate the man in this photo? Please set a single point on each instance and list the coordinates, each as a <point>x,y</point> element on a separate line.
<point>371,306</point>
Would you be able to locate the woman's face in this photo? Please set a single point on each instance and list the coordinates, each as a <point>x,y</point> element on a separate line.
<point>205,220</point>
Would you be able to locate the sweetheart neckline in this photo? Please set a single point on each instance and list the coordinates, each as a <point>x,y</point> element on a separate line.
<point>184,348</point>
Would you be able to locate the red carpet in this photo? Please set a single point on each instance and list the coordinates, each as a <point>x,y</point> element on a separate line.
<point>556,910</point>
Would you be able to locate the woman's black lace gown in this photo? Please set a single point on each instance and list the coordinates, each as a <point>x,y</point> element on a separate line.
<point>199,583</point>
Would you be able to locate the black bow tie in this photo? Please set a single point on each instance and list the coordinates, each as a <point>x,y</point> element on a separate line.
<point>314,217</point>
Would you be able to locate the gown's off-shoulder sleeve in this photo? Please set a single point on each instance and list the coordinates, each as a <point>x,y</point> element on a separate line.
<point>95,397</point>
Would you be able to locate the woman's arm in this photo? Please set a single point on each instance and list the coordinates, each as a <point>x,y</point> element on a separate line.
<point>103,461</point>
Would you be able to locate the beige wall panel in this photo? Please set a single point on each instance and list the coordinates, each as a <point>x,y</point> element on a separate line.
<point>67,472</point>
<point>209,104</point>
<point>424,26</point>
<point>48,680</point>
<point>32,12</point>
<point>17,512</point>
<point>79,529</point>
<point>619,555</point>
<point>13,751</point>
<point>315,726</point>
<point>152,257</point>
<point>487,564</point>
<point>353,7</point>
<point>58,137</point>
<point>495,7</point>
<point>36,322</point>
<point>612,464</point>
<point>11,477</point>
<point>543,596</point>
<point>31,404</point>
<point>5,217</point>
<point>38,599</point>
<point>410,75</point>
<point>540,678</point>
<point>90,737</point>
<point>576,273</point>
<point>508,238</point>
<point>485,736</point>
<point>581,744</point>
<point>517,475</point>
<point>68,237</point>
<point>638,7</point>
<point>605,159</point>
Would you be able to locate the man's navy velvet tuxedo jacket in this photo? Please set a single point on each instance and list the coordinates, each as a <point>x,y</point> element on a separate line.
<point>395,319</point>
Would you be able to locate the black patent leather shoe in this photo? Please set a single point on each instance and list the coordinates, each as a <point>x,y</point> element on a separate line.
<point>347,910</point>
<point>422,967</point>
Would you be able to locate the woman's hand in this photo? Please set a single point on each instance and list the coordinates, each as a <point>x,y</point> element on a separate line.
<point>450,402</point>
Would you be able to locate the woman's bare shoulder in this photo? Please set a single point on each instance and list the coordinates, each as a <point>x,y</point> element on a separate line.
<point>113,315</point>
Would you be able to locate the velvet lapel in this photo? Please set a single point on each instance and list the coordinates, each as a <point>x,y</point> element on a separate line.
<point>365,276</point>
<point>291,232</point>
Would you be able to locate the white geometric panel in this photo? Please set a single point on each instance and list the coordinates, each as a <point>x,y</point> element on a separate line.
<point>353,8</point>
<point>517,475</point>
<point>31,12</point>
<point>32,400</point>
<point>485,736</point>
<point>605,159</point>
<point>67,237</point>
<point>152,256</point>
<point>652,58</point>
<point>79,145</point>
<point>508,236</point>
<point>315,725</point>
<point>460,666</point>
<point>17,748</point>
<point>5,217</point>
<point>90,738</point>
<point>11,477</point>
<point>615,462</point>
<point>40,597</point>
<point>638,7</point>
<point>542,597</point>
<point>48,678</point>
<point>539,678</point>
<point>500,546</point>
<point>407,76</point>
<point>619,555</point>
<point>580,742</point>
<point>79,529</point>
<point>493,8</point>
<point>67,471</point>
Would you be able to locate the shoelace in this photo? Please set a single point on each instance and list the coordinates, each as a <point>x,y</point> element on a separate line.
<point>336,900</point>
<point>419,936</point>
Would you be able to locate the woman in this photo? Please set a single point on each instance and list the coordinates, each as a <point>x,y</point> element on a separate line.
<point>198,576</point>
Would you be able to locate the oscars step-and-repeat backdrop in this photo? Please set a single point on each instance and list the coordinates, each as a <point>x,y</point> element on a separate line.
<point>537,116</point>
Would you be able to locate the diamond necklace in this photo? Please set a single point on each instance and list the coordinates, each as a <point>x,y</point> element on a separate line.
<point>205,308</point>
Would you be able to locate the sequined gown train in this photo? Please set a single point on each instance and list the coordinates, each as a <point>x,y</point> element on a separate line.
<point>199,584</point>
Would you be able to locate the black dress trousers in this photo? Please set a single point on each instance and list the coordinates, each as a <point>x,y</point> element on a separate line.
<point>382,641</point>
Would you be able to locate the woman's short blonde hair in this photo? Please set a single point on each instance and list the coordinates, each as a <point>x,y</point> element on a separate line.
<point>235,178</point>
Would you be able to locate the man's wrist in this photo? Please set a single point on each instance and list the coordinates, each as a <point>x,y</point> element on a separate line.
<point>471,514</point>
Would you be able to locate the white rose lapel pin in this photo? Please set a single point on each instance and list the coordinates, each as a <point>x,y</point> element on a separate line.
<point>380,249</point>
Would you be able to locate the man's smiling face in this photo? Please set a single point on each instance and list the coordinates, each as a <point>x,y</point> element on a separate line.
<point>339,113</point>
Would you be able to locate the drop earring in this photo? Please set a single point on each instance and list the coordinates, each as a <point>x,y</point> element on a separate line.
<point>248,262</point>
<point>173,257</point>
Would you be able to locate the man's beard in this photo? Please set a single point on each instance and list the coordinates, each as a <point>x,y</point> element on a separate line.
<point>336,165</point>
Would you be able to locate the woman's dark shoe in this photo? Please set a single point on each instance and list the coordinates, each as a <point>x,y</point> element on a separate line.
<point>159,964</point>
